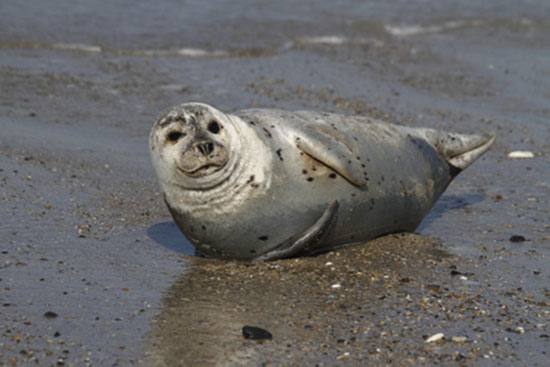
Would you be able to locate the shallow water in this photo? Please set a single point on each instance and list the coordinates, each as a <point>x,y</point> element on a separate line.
<point>85,233</point>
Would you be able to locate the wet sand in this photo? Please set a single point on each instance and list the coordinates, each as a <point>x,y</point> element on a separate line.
<point>93,272</point>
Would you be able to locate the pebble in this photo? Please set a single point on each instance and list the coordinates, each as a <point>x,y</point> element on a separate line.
<point>459,339</point>
<point>521,154</point>
<point>435,337</point>
<point>335,286</point>
<point>343,356</point>
<point>520,330</point>
<point>516,238</point>
<point>256,333</point>
<point>50,315</point>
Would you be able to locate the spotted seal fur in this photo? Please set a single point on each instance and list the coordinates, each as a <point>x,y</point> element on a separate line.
<point>265,184</point>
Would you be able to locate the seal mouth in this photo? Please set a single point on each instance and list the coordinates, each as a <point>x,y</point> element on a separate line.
<point>203,170</point>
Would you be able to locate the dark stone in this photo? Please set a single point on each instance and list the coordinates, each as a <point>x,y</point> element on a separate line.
<point>256,333</point>
<point>517,238</point>
<point>50,315</point>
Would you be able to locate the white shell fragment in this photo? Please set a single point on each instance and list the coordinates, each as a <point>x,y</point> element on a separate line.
<point>459,339</point>
<point>435,338</point>
<point>521,154</point>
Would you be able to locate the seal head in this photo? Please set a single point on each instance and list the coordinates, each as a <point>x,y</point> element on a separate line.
<point>191,146</point>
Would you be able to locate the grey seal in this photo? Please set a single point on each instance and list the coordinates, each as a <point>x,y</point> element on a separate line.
<point>265,184</point>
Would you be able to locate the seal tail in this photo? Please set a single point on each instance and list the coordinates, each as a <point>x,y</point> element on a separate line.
<point>459,150</point>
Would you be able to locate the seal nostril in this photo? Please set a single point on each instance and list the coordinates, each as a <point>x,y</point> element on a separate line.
<point>206,148</point>
<point>213,127</point>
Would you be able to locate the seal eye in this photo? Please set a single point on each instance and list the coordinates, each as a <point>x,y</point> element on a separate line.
<point>213,127</point>
<point>174,136</point>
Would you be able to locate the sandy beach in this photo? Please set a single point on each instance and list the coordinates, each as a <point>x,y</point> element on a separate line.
<point>93,272</point>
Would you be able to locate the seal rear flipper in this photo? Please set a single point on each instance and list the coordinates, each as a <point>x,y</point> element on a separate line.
<point>459,150</point>
<point>304,242</point>
<point>469,155</point>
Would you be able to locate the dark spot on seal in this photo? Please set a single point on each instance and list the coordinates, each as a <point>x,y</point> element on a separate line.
<point>252,251</point>
<point>355,138</point>
<point>358,158</point>
<point>279,153</point>
<point>267,133</point>
<point>382,178</point>
<point>254,185</point>
<point>349,162</point>
<point>309,179</point>
<point>251,179</point>
<point>362,165</point>
<point>263,238</point>
<point>304,171</point>
<point>272,126</point>
<point>332,175</point>
<point>252,123</point>
<point>203,228</point>
<point>314,168</point>
<point>214,127</point>
<point>353,195</point>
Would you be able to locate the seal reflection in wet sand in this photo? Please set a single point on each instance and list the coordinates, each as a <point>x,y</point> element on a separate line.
<point>267,184</point>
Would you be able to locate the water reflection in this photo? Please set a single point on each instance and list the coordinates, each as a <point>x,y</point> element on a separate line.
<point>318,308</point>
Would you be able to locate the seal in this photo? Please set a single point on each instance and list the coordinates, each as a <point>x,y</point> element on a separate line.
<point>265,184</point>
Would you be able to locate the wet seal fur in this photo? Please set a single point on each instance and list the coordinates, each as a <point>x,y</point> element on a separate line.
<point>267,184</point>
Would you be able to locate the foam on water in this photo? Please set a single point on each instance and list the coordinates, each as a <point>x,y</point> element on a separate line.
<point>77,47</point>
<point>414,30</point>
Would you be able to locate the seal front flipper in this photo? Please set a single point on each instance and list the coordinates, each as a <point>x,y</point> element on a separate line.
<point>304,242</point>
<point>333,150</point>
